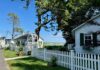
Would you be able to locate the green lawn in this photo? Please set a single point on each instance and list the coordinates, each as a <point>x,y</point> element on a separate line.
<point>31,64</point>
<point>9,53</point>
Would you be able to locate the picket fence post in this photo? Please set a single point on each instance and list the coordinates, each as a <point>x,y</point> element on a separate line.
<point>44,54</point>
<point>98,62</point>
<point>33,52</point>
<point>72,59</point>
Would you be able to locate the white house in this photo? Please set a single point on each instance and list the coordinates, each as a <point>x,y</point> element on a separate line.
<point>7,42</point>
<point>28,40</point>
<point>87,36</point>
<point>2,42</point>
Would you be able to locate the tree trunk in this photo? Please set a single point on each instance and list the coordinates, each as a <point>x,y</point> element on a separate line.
<point>68,38</point>
<point>37,31</point>
<point>13,31</point>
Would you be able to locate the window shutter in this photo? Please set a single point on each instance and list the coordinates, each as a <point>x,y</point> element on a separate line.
<point>94,39</point>
<point>81,39</point>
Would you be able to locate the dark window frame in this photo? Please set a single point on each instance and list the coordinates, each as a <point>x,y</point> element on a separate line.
<point>88,39</point>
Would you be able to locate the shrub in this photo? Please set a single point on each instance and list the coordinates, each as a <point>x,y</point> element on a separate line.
<point>55,47</point>
<point>49,47</point>
<point>29,53</point>
<point>63,49</point>
<point>53,61</point>
<point>20,51</point>
<point>60,48</point>
<point>7,48</point>
<point>20,48</point>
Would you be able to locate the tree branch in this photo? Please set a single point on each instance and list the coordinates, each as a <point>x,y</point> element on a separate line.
<point>37,30</point>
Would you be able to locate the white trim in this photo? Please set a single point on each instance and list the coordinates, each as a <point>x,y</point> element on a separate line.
<point>88,39</point>
<point>22,35</point>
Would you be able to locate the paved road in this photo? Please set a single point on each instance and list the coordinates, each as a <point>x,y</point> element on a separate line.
<point>3,65</point>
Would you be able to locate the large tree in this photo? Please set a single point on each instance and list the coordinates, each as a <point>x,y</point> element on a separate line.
<point>62,15</point>
<point>67,14</point>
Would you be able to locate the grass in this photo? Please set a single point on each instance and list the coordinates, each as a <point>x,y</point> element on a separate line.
<point>9,54</point>
<point>31,64</point>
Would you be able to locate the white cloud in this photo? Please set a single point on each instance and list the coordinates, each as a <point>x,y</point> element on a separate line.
<point>59,35</point>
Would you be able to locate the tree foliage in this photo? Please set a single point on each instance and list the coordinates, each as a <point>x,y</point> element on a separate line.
<point>67,14</point>
<point>62,15</point>
<point>14,19</point>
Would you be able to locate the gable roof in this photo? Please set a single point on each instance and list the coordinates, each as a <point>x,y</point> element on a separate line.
<point>85,22</point>
<point>22,35</point>
<point>25,35</point>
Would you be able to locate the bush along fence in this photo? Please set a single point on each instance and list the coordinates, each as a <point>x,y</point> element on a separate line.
<point>71,60</point>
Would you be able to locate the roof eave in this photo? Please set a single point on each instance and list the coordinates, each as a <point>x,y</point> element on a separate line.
<point>85,23</point>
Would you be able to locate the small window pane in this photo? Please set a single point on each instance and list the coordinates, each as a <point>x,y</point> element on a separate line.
<point>87,37</point>
<point>88,40</point>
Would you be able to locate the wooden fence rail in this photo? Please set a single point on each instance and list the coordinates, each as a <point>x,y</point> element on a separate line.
<point>71,60</point>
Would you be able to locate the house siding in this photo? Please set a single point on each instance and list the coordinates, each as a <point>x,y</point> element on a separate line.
<point>87,28</point>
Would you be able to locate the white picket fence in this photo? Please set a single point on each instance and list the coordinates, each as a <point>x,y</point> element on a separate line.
<point>71,60</point>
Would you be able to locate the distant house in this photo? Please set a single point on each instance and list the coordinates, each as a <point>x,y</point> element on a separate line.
<point>7,42</point>
<point>2,42</point>
<point>27,40</point>
<point>21,39</point>
<point>87,36</point>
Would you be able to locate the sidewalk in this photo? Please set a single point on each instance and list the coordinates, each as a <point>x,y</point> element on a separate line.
<point>7,59</point>
<point>3,65</point>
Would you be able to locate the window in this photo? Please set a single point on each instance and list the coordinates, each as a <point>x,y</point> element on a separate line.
<point>29,39</point>
<point>88,39</point>
<point>91,40</point>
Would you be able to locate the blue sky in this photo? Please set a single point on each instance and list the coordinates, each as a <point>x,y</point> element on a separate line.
<point>27,20</point>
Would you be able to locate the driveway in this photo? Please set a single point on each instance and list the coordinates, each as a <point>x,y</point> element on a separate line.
<point>3,65</point>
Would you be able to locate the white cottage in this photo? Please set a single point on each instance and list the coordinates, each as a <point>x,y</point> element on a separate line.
<point>28,40</point>
<point>2,42</point>
<point>87,36</point>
